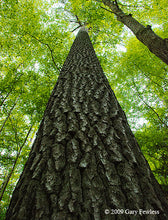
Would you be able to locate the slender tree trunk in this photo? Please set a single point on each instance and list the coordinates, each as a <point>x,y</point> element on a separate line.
<point>4,98</point>
<point>9,113</point>
<point>146,35</point>
<point>85,158</point>
<point>6,181</point>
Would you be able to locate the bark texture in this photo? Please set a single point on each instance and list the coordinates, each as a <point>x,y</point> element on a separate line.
<point>85,158</point>
<point>146,35</point>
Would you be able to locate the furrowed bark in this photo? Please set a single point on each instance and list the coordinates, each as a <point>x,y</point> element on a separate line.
<point>85,158</point>
<point>146,35</point>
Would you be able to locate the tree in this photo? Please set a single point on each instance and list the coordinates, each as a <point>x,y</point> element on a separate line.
<point>27,51</point>
<point>157,44</point>
<point>85,158</point>
<point>146,35</point>
<point>5,183</point>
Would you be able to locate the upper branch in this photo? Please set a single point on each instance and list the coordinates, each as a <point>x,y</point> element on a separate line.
<point>146,35</point>
<point>148,106</point>
<point>51,51</point>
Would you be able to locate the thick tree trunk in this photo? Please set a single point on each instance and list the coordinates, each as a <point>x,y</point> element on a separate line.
<point>85,158</point>
<point>146,35</point>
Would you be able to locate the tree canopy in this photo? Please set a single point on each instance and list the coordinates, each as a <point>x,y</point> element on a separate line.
<point>35,39</point>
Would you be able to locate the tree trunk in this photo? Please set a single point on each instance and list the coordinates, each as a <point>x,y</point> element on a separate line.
<point>146,35</point>
<point>85,158</point>
<point>9,113</point>
<point>7,179</point>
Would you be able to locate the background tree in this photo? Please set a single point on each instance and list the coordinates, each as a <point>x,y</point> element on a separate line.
<point>146,35</point>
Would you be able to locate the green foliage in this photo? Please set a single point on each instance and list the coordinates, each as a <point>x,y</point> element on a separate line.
<point>33,48</point>
<point>35,38</point>
<point>154,144</point>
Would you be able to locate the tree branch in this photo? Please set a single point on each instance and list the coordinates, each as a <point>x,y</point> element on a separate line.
<point>51,51</point>
<point>146,35</point>
<point>78,21</point>
<point>139,95</point>
<point>76,28</point>
<point>116,3</point>
<point>9,113</point>
<point>138,67</point>
<point>106,9</point>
